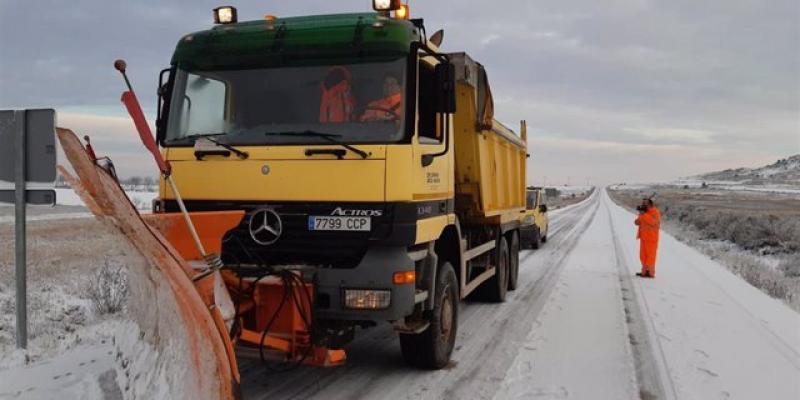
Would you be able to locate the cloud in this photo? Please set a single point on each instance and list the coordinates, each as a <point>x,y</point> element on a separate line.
<point>115,137</point>
<point>488,39</point>
<point>614,87</point>
<point>598,162</point>
<point>675,135</point>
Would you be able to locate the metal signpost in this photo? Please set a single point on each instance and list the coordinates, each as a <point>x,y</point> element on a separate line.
<point>27,158</point>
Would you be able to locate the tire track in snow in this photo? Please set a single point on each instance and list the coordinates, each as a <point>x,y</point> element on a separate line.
<point>648,354</point>
<point>473,381</point>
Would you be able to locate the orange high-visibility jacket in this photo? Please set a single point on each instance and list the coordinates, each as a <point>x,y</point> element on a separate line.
<point>337,100</point>
<point>378,109</point>
<point>337,103</point>
<point>649,224</point>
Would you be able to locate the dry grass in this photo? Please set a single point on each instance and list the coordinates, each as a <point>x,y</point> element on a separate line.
<point>75,279</point>
<point>107,288</point>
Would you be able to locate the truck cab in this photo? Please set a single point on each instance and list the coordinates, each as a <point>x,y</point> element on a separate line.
<point>534,221</point>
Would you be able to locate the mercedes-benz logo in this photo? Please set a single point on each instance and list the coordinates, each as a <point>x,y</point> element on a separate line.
<point>265,226</point>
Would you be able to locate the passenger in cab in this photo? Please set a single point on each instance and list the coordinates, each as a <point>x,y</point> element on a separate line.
<point>337,100</point>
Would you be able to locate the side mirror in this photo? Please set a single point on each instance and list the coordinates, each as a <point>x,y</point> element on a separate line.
<point>543,208</point>
<point>446,88</point>
<point>162,94</point>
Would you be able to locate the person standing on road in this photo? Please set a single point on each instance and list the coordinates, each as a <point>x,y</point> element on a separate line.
<point>649,222</point>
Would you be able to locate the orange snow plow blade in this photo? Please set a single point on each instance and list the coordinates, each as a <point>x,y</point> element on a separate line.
<point>211,227</point>
<point>162,242</point>
<point>212,303</point>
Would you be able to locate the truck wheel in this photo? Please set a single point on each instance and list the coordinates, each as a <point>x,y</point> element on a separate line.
<point>513,261</point>
<point>536,238</point>
<point>497,285</point>
<point>432,348</point>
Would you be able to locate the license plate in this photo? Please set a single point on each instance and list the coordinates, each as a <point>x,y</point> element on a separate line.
<point>329,223</point>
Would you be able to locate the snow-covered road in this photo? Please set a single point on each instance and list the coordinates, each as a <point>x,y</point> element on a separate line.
<point>582,326</point>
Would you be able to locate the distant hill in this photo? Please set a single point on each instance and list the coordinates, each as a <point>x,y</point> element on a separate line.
<point>783,172</point>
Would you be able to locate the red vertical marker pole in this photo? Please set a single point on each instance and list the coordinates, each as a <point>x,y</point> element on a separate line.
<point>146,135</point>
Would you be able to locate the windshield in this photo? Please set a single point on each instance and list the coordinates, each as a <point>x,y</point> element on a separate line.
<point>533,199</point>
<point>358,103</point>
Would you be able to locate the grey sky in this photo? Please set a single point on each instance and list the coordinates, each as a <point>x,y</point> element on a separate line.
<point>613,90</point>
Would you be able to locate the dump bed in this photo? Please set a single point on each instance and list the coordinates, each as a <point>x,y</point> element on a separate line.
<point>489,157</point>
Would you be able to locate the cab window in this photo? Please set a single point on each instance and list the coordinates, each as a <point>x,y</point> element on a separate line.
<point>531,200</point>
<point>428,126</point>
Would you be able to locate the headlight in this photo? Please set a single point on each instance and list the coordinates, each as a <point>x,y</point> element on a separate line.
<point>225,15</point>
<point>385,5</point>
<point>359,299</point>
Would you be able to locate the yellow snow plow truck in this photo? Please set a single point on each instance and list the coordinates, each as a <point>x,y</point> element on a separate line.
<point>353,165</point>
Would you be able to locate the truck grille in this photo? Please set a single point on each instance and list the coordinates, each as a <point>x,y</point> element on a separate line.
<point>296,244</point>
<point>396,226</point>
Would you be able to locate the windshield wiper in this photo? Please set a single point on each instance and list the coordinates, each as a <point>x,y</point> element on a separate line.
<point>239,153</point>
<point>327,136</point>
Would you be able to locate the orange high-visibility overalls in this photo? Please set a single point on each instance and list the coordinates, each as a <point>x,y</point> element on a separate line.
<point>649,225</point>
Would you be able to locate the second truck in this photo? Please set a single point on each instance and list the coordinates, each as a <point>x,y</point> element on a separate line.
<point>364,158</point>
<point>534,220</point>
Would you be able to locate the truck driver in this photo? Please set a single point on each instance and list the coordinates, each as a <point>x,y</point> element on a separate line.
<point>388,108</point>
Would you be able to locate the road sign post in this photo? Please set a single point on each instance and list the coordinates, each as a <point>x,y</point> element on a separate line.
<point>27,154</point>
<point>20,258</point>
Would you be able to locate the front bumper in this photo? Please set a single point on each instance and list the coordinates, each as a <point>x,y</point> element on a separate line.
<point>375,271</point>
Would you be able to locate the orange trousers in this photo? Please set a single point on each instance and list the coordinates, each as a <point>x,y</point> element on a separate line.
<point>647,254</point>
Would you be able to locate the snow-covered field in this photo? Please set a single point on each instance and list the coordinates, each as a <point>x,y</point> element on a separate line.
<point>142,199</point>
<point>69,337</point>
<point>567,190</point>
<point>729,186</point>
<point>567,195</point>
<point>69,205</point>
<point>781,177</point>
<point>580,326</point>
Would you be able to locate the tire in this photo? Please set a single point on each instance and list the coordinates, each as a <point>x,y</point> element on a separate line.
<point>432,348</point>
<point>513,261</point>
<point>536,239</point>
<point>497,286</point>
